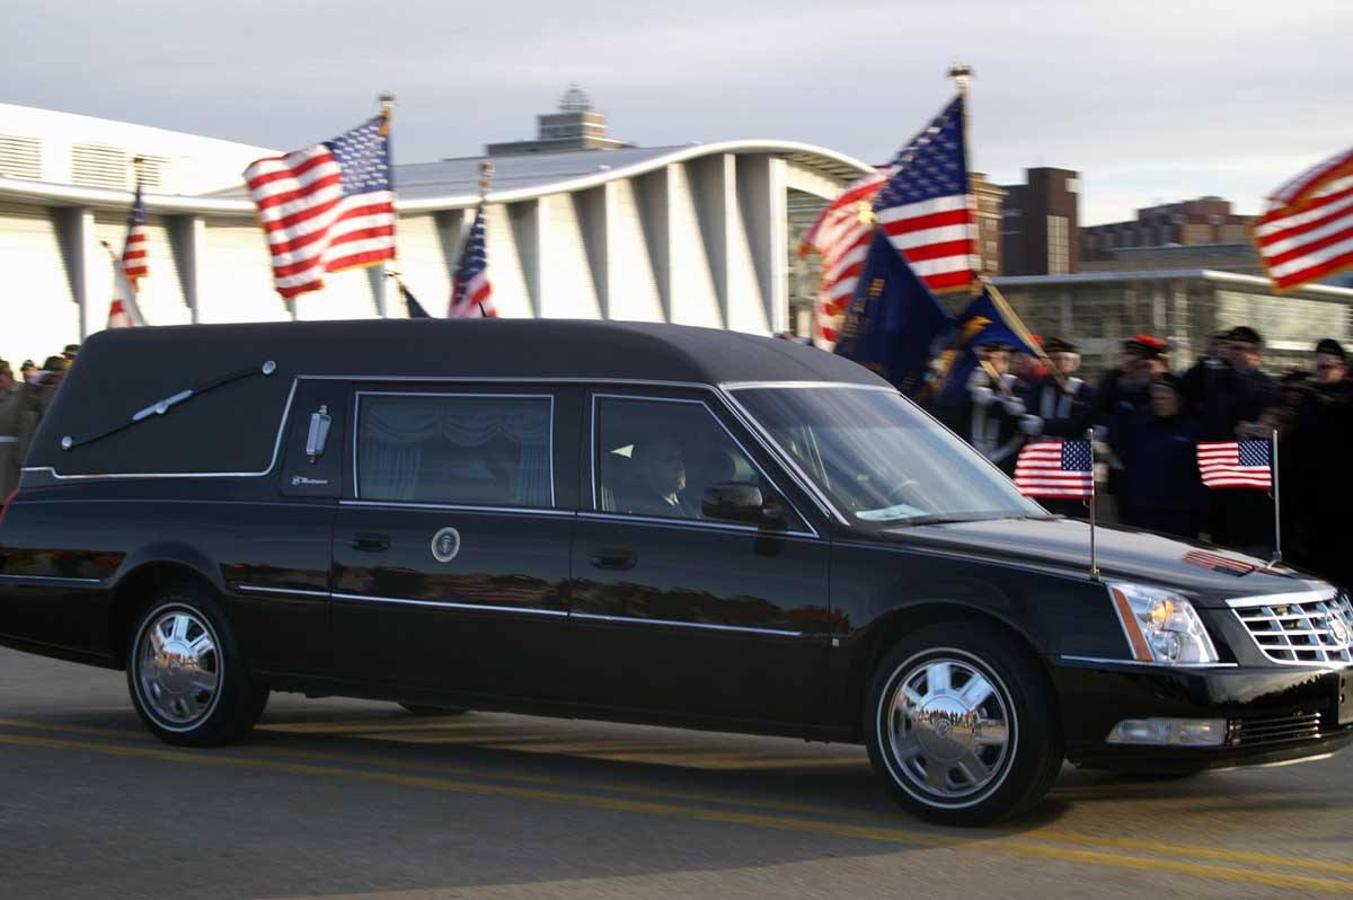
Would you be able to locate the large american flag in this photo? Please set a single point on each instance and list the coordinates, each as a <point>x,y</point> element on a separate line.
<point>1236,464</point>
<point>1307,232</point>
<point>1056,470</point>
<point>134,253</point>
<point>926,205</point>
<point>471,293</point>
<point>327,207</point>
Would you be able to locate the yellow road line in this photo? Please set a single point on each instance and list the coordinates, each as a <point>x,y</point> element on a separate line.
<point>1165,847</point>
<point>1014,846</point>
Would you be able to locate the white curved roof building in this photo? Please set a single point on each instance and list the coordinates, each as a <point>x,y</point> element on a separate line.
<point>697,234</point>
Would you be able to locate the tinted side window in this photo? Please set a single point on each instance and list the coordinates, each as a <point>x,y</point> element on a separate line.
<point>489,449</point>
<point>657,457</point>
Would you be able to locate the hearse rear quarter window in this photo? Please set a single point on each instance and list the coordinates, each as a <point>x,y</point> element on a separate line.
<point>475,449</point>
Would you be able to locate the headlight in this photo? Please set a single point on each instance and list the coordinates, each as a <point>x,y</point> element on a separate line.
<point>1161,627</point>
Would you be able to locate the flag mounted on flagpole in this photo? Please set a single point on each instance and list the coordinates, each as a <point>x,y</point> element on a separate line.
<point>471,293</point>
<point>1307,232</point>
<point>1236,464</point>
<point>134,249</point>
<point>123,310</point>
<point>327,207</point>
<point>1056,470</point>
<point>926,206</point>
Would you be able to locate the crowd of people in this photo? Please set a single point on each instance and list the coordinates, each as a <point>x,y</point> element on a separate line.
<point>1150,421</point>
<point>23,399</point>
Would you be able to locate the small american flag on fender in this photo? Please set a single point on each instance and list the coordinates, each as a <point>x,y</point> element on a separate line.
<point>1236,464</point>
<point>327,207</point>
<point>1056,470</point>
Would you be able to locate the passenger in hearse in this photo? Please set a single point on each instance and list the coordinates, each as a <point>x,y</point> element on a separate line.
<point>656,481</point>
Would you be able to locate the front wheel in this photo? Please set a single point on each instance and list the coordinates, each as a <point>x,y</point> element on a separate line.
<point>187,675</point>
<point>960,723</point>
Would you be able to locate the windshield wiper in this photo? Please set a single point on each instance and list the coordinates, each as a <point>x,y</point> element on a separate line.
<point>160,407</point>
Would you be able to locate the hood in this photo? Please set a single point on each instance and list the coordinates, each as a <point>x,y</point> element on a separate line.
<point>1207,574</point>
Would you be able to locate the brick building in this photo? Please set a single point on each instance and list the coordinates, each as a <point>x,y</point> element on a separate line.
<point>1040,223</point>
<point>1206,220</point>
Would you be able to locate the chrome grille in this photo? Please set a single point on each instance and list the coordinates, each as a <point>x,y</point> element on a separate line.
<point>1302,726</point>
<point>1310,627</point>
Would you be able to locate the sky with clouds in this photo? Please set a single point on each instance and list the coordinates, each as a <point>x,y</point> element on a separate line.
<point>1151,101</point>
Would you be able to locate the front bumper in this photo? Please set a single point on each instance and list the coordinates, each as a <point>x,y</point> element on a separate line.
<point>1274,713</point>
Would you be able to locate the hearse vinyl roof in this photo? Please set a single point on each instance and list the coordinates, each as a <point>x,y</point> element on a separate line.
<point>503,348</point>
<point>233,428</point>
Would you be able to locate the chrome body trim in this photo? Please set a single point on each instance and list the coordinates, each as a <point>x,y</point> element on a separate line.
<point>507,379</point>
<point>460,507</point>
<point>799,385</point>
<point>276,453</point>
<point>708,626</point>
<point>51,580</point>
<point>447,604</point>
<point>1285,599</point>
<point>707,524</point>
<point>357,422</point>
<point>1100,660</point>
<point>263,589</point>
<point>592,445</point>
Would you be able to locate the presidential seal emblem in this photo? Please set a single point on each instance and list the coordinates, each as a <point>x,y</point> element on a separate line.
<point>445,544</point>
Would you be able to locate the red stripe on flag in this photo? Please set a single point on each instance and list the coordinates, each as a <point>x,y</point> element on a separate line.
<point>931,220</point>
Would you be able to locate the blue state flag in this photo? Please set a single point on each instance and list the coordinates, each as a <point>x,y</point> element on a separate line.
<point>893,322</point>
<point>983,322</point>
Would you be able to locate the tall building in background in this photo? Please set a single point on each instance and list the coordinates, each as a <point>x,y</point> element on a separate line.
<point>1040,223</point>
<point>990,199</point>
<point>574,126</point>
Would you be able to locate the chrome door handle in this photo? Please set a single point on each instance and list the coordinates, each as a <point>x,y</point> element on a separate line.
<point>614,558</point>
<point>371,543</point>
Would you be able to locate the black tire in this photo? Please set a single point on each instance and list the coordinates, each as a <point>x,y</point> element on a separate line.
<point>1017,775</point>
<point>422,709</point>
<point>166,688</point>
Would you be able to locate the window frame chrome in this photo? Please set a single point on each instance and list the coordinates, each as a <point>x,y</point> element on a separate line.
<point>272,465</point>
<point>356,432</point>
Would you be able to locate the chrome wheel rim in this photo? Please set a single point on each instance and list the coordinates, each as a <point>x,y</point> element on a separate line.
<point>949,730</point>
<point>178,668</point>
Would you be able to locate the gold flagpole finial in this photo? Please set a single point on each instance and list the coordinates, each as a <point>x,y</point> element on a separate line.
<point>962,75</point>
<point>485,179</point>
<point>387,101</point>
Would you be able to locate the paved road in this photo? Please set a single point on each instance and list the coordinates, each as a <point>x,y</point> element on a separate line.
<point>348,798</point>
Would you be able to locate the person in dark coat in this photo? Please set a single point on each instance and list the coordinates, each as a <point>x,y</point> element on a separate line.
<point>990,416</point>
<point>1230,410</point>
<point>1159,454</point>
<point>1323,436</point>
<point>1060,405</point>
<point>1125,393</point>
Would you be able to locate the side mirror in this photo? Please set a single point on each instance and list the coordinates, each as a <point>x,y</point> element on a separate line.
<point>738,501</point>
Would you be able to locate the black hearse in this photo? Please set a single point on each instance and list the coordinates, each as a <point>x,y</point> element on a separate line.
<point>634,522</point>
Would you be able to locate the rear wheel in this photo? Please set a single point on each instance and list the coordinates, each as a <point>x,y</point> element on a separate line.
<point>960,723</point>
<point>187,675</point>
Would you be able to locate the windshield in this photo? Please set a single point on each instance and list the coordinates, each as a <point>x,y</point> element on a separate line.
<point>880,460</point>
